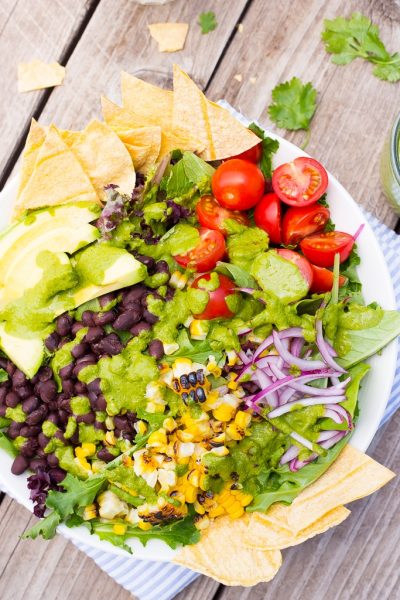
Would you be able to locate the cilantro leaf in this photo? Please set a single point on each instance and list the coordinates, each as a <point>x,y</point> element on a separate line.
<point>358,37</point>
<point>207,21</point>
<point>269,147</point>
<point>294,104</point>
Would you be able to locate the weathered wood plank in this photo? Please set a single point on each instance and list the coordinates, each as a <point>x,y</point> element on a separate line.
<point>28,30</point>
<point>202,588</point>
<point>355,109</point>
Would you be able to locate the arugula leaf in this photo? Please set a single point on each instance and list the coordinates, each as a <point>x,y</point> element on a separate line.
<point>207,21</point>
<point>239,275</point>
<point>294,104</point>
<point>45,527</point>
<point>3,375</point>
<point>353,285</point>
<point>78,494</point>
<point>198,351</point>
<point>7,445</point>
<point>189,175</point>
<point>269,147</point>
<point>355,37</point>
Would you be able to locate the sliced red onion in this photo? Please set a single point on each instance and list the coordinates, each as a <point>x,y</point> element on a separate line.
<point>342,412</point>
<point>324,350</point>
<point>264,361</point>
<point>332,414</point>
<point>290,454</point>
<point>327,435</point>
<point>286,333</point>
<point>333,440</point>
<point>264,381</point>
<point>302,440</point>
<point>244,330</point>
<point>290,406</point>
<point>222,390</point>
<point>304,365</point>
<point>243,357</point>
<point>296,465</point>
<point>358,232</point>
<point>286,395</point>
<point>306,389</point>
<point>297,346</point>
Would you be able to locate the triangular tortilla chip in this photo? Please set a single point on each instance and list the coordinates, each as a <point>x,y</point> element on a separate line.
<point>104,158</point>
<point>222,555</point>
<point>143,144</point>
<point>153,105</point>
<point>57,177</point>
<point>37,75</point>
<point>34,141</point>
<point>221,134</point>
<point>170,37</point>
<point>271,531</point>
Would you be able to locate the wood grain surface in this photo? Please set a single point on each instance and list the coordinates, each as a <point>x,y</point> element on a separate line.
<point>97,39</point>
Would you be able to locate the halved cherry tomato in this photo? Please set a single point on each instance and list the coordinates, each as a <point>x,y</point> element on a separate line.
<point>217,306</point>
<point>301,262</point>
<point>210,249</point>
<point>320,248</point>
<point>267,216</point>
<point>301,182</point>
<point>323,280</point>
<point>253,154</point>
<point>210,214</point>
<point>238,184</point>
<point>299,222</point>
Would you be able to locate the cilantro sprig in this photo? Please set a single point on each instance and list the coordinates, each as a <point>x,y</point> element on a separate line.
<point>269,147</point>
<point>207,22</point>
<point>358,37</point>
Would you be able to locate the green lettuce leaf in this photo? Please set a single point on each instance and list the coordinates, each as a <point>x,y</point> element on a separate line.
<point>240,276</point>
<point>189,175</point>
<point>197,351</point>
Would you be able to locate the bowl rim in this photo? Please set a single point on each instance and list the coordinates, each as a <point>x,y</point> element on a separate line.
<point>395,148</point>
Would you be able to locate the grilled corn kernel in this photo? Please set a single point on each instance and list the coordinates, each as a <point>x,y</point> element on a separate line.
<point>237,512</point>
<point>144,526</point>
<point>82,462</point>
<point>155,407</point>
<point>178,280</point>
<point>203,481</point>
<point>154,392</point>
<point>119,528</point>
<point>87,449</point>
<point>110,438</point>
<point>157,438</point>
<point>245,499</point>
<point>235,432</point>
<point>127,461</point>
<point>224,412</point>
<point>232,358</point>
<point>190,493</point>
<point>216,511</point>
<point>220,451</point>
<point>193,477</point>
<point>199,508</point>
<point>170,424</point>
<point>109,423</point>
<point>185,436</point>
<point>98,465</point>
<point>242,419</point>
<point>233,385</point>
<point>199,329</point>
<point>140,427</point>
<point>90,512</point>
<point>201,522</point>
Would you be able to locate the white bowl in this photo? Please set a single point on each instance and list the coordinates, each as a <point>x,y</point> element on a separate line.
<point>374,395</point>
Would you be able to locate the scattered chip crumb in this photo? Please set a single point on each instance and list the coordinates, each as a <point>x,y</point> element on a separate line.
<point>253,80</point>
<point>38,75</point>
<point>170,37</point>
<point>238,77</point>
<point>240,28</point>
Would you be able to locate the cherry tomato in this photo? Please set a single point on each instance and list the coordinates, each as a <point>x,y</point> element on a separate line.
<point>217,306</point>
<point>323,280</point>
<point>210,214</point>
<point>238,184</point>
<point>267,216</point>
<point>253,154</point>
<point>301,262</point>
<point>320,248</point>
<point>301,182</point>
<point>299,222</point>
<point>210,249</point>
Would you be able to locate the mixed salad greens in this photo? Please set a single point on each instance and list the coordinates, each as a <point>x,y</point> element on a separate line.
<point>204,349</point>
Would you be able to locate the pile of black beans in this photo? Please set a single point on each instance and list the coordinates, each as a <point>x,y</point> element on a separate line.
<point>40,398</point>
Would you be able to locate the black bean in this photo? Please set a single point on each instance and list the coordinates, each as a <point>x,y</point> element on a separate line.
<point>57,474</point>
<point>170,293</point>
<point>64,404</point>
<point>31,447</point>
<point>37,416</point>
<point>81,366</point>
<point>10,368</point>
<point>111,344</point>
<point>52,341</point>
<point>63,416</point>
<point>133,294</point>
<point>76,327</point>
<point>18,378</point>
<point>131,416</point>
<point>74,439</point>
<point>105,455</point>
<point>63,325</point>
<point>45,374</point>
<point>24,391</point>
<point>88,318</point>
<point>94,334</point>
<point>37,463</point>
<point>94,386</point>
<point>143,300</point>
<point>3,362</point>
<point>93,400</point>
<point>104,318</point>
<point>30,404</point>
<point>128,435</point>
<point>43,440</point>
<point>47,390</point>
<point>3,410</point>
<point>60,436</point>
<point>80,349</point>
<point>68,386</point>
<point>117,432</point>
<point>19,465</point>
<point>64,341</point>
<point>162,267</point>
<point>12,399</point>
<point>121,423</point>
<point>52,460</point>
<point>41,453</point>
<point>100,425</point>
<point>148,261</point>
<point>66,372</point>
<point>139,327</point>
<point>53,418</point>
<point>127,319</point>
<point>80,388</point>
<point>156,349</point>
<point>250,387</point>
<point>87,358</point>
<point>101,402</point>
<point>13,430</point>
<point>106,299</point>
<point>149,317</point>
<point>3,394</point>
<point>30,431</point>
<point>88,419</point>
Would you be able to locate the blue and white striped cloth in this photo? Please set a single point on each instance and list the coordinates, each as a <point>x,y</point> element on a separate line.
<point>149,580</point>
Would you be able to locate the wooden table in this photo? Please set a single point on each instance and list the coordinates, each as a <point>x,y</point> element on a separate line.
<point>96,39</point>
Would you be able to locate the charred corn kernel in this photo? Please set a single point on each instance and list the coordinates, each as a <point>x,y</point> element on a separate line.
<point>201,522</point>
<point>193,477</point>
<point>239,393</point>
<point>224,413</point>
<point>179,496</point>
<point>109,423</point>
<point>198,329</point>
<point>242,419</point>
<point>237,512</point>
<point>157,438</point>
<point>155,407</point>
<point>83,463</point>
<point>216,511</point>
<point>203,481</point>
<point>87,449</point>
<point>178,280</point>
<point>98,465</point>
<point>190,493</point>
<point>220,451</point>
<point>110,505</point>
<point>170,424</point>
<point>235,432</point>
<point>154,392</point>
<point>110,438</point>
<point>144,526</point>
<point>232,358</point>
<point>233,385</point>
<point>184,449</point>
<point>184,436</point>
<point>170,348</point>
<point>218,439</point>
<point>119,528</point>
<point>127,461</point>
<point>214,369</point>
<point>199,508</point>
<point>245,499</point>
<point>90,512</point>
<point>140,427</point>
<point>228,502</point>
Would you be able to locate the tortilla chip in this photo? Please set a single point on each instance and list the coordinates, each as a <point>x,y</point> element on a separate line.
<point>143,144</point>
<point>151,104</point>
<point>103,157</point>
<point>57,178</point>
<point>271,531</point>
<point>34,141</point>
<point>170,37</point>
<point>220,133</point>
<point>352,476</point>
<point>38,75</point>
<point>222,555</point>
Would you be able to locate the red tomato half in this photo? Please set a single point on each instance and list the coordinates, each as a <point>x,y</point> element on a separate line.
<point>210,249</point>
<point>301,182</point>
<point>253,154</point>
<point>210,214</point>
<point>217,306</point>
<point>299,222</point>
<point>323,280</point>
<point>301,262</point>
<point>267,216</point>
<point>320,248</point>
<point>238,184</point>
